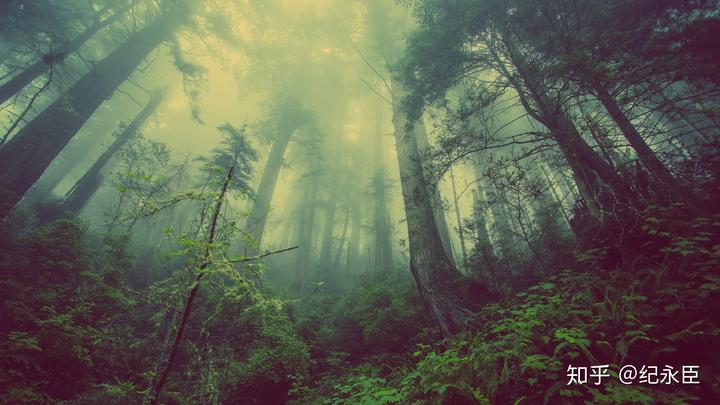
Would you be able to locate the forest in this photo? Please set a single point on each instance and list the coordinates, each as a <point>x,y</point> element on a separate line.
<point>359,202</point>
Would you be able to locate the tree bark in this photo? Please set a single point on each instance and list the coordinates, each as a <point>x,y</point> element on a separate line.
<point>25,157</point>
<point>343,239</point>
<point>669,186</point>
<point>594,176</point>
<point>458,218</point>
<point>263,197</point>
<point>444,290</point>
<point>437,202</point>
<point>83,190</point>
<point>37,69</point>
<point>553,190</point>
<point>325,259</point>
<point>353,249</point>
<point>304,235</point>
<point>382,247</point>
<point>483,245</point>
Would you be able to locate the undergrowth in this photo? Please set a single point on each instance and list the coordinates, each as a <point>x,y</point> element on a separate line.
<point>658,309</point>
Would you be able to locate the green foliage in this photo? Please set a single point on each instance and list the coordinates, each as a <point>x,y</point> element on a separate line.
<point>236,153</point>
<point>381,314</point>
<point>266,353</point>
<point>366,390</point>
<point>521,347</point>
<point>58,314</point>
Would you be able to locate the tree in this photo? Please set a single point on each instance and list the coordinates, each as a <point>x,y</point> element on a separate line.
<point>24,158</point>
<point>458,218</point>
<point>304,237</point>
<point>87,185</point>
<point>608,64</point>
<point>459,40</point>
<point>448,295</point>
<point>284,121</point>
<point>382,247</point>
<point>445,291</point>
<point>230,170</point>
<point>42,65</point>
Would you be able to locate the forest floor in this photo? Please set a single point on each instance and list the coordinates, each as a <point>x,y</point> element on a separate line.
<point>74,333</point>
<point>659,319</point>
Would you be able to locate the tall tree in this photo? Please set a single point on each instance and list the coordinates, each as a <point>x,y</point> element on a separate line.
<point>87,185</point>
<point>445,291</point>
<point>483,244</point>
<point>289,116</point>
<point>42,65</point>
<point>305,227</point>
<point>352,261</point>
<point>455,41</point>
<point>458,217</point>
<point>330,208</point>
<point>382,247</point>
<point>25,157</point>
<point>439,208</point>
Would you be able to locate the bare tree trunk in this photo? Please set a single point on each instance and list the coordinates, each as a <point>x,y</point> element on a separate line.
<point>299,239</point>
<point>56,173</point>
<point>25,157</point>
<point>437,202</point>
<point>483,245</point>
<point>669,186</point>
<point>507,239</point>
<point>287,230</point>
<point>80,194</point>
<point>304,237</point>
<point>353,250</point>
<point>37,69</point>
<point>328,227</point>
<point>444,290</point>
<point>382,248</point>
<point>343,239</point>
<point>553,190</point>
<point>263,197</point>
<point>458,218</point>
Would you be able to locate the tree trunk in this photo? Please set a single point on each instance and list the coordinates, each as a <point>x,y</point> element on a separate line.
<point>438,209</point>
<point>325,258</point>
<point>503,229</point>
<point>353,250</point>
<point>594,176</point>
<point>442,287</point>
<point>32,72</point>
<point>669,186</point>
<point>304,236</point>
<point>59,169</point>
<point>553,190</point>
<point>261,206</point>
<point>25,157</point>
<point>483,245</point>
<point>78,196</point>
<point>382,247</point>
<point>287,231</point>
<point>343,239</point>
<point>458,218</point>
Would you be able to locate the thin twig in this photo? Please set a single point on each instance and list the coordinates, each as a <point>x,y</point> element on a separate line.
<point>260,256</point>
